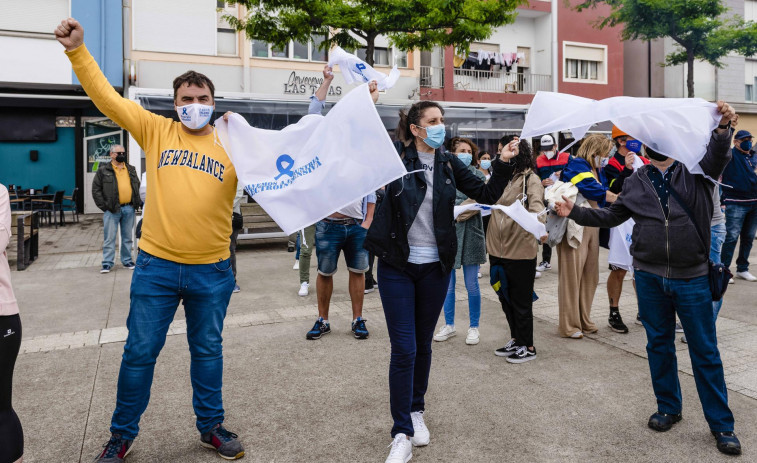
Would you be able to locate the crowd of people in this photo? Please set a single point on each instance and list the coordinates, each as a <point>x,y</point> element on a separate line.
<point>411,228</point>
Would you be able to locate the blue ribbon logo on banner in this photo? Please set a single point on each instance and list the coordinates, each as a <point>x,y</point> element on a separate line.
<point>284,169</point>
<point>360,67</point>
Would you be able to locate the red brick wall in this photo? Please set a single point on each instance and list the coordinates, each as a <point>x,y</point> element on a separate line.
<point>573,26</point>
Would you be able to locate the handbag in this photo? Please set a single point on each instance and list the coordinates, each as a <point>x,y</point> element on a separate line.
<point>719,274</point>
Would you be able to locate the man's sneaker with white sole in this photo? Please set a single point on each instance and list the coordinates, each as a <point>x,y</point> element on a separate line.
<point>224,442</point>
<point>421,434</point>
<point>509,349</point>
<point>746,276</point>
<point>401,450</point>
<point>445,333</point>
<point>304,289</point>
<point>543,267</point>
<point>522,355</point>
<point>473,337</point>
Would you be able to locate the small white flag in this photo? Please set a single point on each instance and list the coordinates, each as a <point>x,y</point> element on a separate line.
<point>358,71</point>
<point>529,221</point>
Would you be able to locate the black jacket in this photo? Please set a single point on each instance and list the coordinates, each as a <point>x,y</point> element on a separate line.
<point>387,237</point>
<point>105,188</point>
<point>669,247</point>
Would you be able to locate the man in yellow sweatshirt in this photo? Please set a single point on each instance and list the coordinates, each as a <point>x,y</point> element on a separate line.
<point>183,253</point>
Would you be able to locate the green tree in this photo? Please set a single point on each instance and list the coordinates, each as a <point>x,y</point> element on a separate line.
<point>408,24</point>
<point>699,27</point>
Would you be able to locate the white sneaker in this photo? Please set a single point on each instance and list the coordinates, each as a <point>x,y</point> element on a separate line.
<point>746,276</point>
<point>296,265</point>
<point>538,275</point>
<point>422,436</point>
<point>730,282</point>
<point>445,333</point>
<point>472,338</point>
<point>402,450</point>
<point>577,335</point>
<point>543,267</point>
<point>479,274</point>
<point>304,289</point>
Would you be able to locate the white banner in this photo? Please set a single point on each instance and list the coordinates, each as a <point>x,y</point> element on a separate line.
<point>676,127</point>
<point>311,169</point>
<point>529,221</point>
<point>355,70</point>
<point>620,245</point>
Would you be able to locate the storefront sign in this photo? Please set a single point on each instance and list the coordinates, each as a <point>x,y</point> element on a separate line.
<point>299,85</point>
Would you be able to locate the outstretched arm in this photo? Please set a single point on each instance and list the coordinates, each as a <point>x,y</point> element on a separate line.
<point>126,113</point>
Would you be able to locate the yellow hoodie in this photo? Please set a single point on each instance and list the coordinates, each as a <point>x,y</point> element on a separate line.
<point>191,182</point>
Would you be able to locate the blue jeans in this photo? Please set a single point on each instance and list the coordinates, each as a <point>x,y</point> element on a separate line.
<point>331,238</point>
<point>412,300</point>
<point>740,221</point>
<point>157,287</point>
<point>470,273</point>
<point>111,222</point>
<point>718,233</point>
<point>659,300</point>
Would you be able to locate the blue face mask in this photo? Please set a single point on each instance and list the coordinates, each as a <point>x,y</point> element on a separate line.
<point>486,164</point>
<point>435,135</point>
<point>746,145</point>
<point>467,158</point>
<point>633,146</point>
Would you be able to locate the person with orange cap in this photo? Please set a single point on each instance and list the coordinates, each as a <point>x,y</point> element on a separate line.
<point>618,169</point>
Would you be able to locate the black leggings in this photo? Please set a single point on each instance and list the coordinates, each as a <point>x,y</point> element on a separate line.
<point>11,435</point>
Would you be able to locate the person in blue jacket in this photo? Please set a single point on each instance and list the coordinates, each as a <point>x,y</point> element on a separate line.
<point>740,202</point>
<point>578,270</point>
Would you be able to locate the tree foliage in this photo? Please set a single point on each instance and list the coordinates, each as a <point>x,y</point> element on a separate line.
<point>699,27</point>
<point>408,24</point>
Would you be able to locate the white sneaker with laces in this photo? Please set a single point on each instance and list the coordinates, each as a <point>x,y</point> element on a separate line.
<point>746,276</point>
<point>445,333</point>
<point>730,282</point>
<point>544,266</point>
<point>304,289</point>
<point>472,338</point>
<point>479,274</point>
<point>422,436</point>
<point>296,265</point>
<point>538,275</point>
<point>402,450</point>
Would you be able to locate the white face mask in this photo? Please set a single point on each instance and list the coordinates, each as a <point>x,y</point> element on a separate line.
<point>195,116</point>
<point>597,162</point>
<point>549,154</point>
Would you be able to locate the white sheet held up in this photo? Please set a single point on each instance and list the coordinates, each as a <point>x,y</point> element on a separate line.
<point>528,220</point>
<point>356,70</point>
<point>676,127</point>
<point>310,169</point>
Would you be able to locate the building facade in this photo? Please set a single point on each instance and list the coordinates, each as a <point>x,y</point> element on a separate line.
<point>555,48</point>
<point>52,135</point>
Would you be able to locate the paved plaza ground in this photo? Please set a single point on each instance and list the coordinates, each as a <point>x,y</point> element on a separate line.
<point>293,400</point>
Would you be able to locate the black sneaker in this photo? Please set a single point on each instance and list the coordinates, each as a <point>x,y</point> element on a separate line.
<point>616,322</point>
<point>662,422</point>
<point>358,327</point>
<point>319,329</point>
<point>509,349</point>
<point>522,355</point>
<point>224,442</point>
<point>728,443</point>
<point>115,450</point>
<point>369,288</point>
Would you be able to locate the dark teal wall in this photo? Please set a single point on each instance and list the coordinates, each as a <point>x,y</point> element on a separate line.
<point>55,167</point>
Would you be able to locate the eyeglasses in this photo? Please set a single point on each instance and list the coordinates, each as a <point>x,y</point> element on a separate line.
<point>118,152</point>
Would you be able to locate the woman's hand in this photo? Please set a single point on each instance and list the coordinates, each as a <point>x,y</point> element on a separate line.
<point>544,238</point>
<point>547,182</point>
<point>610,197</point>
<point>328,73</point>
<point>510,151</point>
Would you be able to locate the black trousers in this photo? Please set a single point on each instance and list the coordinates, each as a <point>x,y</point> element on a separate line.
<point>546,253</point>
<point>11,435</point>
<point>519,311</point>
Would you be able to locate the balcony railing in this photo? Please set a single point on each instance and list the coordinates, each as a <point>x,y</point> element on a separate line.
<point>487,81</point>
<point>432,77</point>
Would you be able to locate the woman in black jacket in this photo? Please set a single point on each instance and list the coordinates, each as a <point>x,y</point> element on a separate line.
<point>413,235</point>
